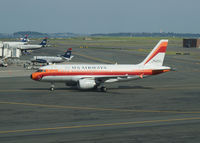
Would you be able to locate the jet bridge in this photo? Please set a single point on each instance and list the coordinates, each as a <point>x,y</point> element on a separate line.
<point>9,52</point>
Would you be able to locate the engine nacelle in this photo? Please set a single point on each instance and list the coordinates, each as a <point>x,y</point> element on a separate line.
<point>86,84</point>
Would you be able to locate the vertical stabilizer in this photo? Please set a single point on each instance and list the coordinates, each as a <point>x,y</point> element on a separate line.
<point>67,54</point>
<point>157,55</point>
<point>44,42</point>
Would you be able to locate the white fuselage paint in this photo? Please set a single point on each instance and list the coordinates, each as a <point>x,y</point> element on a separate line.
<point>49,59</point>
<point>89,69</point>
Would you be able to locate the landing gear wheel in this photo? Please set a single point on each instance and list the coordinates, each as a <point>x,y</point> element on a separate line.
<point>51,89</point>
<point>103,89</point>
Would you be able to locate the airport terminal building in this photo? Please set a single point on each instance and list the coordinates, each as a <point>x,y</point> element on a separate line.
<point>191,43</point>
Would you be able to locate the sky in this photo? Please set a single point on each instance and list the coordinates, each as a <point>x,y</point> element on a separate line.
<point>100,16</point>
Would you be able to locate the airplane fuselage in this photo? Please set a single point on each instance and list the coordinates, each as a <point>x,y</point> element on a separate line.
<point>66,73</point>
<point>47,59</point>
<point>14,43</point>
<point>29,47</point>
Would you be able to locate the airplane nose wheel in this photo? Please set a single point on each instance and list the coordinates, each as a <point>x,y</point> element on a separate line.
<point>52,87</point>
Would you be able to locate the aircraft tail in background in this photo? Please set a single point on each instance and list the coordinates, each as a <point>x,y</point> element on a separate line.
<point>44,42</point>
<point>68,55</point>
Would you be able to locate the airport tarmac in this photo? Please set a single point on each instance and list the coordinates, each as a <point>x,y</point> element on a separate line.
<point>162,108</point>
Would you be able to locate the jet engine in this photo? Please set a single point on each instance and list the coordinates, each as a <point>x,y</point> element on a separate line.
<point>86,84</point>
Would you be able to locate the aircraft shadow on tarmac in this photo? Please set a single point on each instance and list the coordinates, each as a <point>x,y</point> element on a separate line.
<point>47,89</point>
<point>133,87</point>
<point>91,90</point>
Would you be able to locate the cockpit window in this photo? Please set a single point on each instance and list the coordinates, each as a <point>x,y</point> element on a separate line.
<point>39,70</point>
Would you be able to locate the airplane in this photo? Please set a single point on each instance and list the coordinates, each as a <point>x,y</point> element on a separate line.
<point>52,59</point>
<point>14,43</point>
<point>24,48</point>
<point>91,76</point>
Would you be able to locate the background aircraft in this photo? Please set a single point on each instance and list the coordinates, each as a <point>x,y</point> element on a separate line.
<point>89,76</point>
<point>14,43</point>
<point>53,59</point>
<point>25,46</point>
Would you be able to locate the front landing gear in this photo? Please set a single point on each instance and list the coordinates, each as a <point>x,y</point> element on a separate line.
<point>52,87</point>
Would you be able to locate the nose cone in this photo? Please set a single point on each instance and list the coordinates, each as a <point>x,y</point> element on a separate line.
<point>36,76</point>
<point>33,76</point>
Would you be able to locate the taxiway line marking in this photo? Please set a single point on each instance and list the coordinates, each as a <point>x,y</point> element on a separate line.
<point>99,125</point>
<point>100,109</point>
<point>93,58</point>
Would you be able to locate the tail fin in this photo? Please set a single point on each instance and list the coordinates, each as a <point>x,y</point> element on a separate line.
<point>44,42</point>
<point>67,54</point>
<point>25,39</point>
<point>157,55</point>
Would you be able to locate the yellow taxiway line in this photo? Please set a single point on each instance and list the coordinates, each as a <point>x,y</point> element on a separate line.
<point>99,125</point>
<point>99,109</point>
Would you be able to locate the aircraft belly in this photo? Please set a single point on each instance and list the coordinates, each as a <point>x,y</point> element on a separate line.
<point>56,78</point>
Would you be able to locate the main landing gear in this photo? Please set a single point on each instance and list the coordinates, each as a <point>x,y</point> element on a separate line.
<point>52,87</point>
<point>103,89</point>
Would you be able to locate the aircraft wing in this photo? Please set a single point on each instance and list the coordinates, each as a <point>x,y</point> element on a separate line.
<point>102,79</point>
<point>68,59</point>
<point>41,61</point>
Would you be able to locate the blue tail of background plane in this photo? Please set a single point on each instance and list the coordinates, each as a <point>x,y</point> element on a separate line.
<point>67,54</point>
<point>44,42</point>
